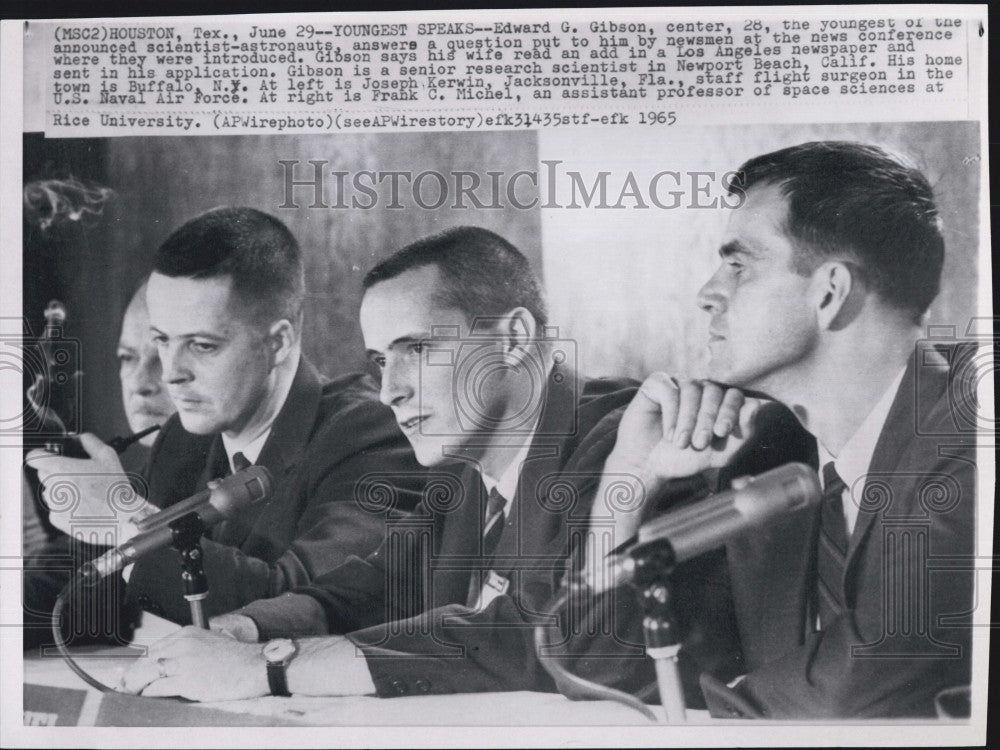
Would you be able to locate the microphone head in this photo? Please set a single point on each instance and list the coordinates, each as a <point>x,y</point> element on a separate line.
<point>246,487</point>
<point>786,489</point>
<point>710,523</point>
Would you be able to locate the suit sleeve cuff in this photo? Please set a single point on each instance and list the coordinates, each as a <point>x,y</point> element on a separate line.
<point>286,616</point>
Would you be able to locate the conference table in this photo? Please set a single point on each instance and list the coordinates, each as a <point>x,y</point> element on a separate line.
<point>54,695</point>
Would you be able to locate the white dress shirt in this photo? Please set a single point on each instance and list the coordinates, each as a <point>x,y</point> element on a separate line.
<point>251,451</point>
<point>855,458</point>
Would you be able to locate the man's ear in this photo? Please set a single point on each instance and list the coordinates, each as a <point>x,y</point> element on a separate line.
<point>838,294</point>
<point>517,327</point>
<point>281,339</point>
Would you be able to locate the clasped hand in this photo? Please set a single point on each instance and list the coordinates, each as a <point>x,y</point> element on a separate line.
<point>91,499</point>
<point>671,429</point>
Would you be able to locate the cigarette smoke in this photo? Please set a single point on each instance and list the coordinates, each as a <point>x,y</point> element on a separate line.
<point>49,202</point>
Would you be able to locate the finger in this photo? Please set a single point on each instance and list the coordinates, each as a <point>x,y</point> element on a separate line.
<point>95,447</point>
<point>747,414</point>
<point>168,687</point>
<point>47,464</point>
<point>37,456</point>
<point>687,413</point>
<point>662,390</point>
<point>138,676</point>
<point>729,412</point>
<point>740,482</point>
<point>708,410</point>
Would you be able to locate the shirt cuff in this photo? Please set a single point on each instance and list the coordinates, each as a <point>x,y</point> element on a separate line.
<point>286,616</point>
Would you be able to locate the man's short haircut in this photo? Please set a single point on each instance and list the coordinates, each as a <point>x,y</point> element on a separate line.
<point>482,274</point>
<point>254,249</point>
<point>855,202</point>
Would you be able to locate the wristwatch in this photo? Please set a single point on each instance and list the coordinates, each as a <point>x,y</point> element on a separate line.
<point>278,653</point>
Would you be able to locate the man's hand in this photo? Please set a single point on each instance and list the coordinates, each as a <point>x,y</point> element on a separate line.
<point>671,429</point>
<point>201,665</point>
<point>94,488</point>
<point>240,627</point>
<point>678,428</point>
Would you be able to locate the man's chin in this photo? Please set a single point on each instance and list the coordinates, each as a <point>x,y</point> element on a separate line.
<point>427,455</point>
<point>198,425</point>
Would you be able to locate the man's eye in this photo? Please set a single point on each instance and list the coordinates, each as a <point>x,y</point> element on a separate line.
<point>379,361</point>
<point>160,340</point>
<point>417,347</point>
<point>735,266</point>
<point>126,358</point>
<point>202,347</point>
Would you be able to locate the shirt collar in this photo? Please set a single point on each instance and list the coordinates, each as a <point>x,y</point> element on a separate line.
<point>506,485</point>
<point>251,450</point>
<point>855,457</point>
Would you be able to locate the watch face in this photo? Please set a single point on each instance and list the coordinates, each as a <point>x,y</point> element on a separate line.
<point>279,649</point>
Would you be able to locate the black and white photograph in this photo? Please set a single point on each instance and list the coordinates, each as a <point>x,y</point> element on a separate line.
<point>424,426</point>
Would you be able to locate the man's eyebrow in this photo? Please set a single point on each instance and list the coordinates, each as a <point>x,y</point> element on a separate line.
<point>409,338</point>
<point>735,247</point>
<point>192,335</point>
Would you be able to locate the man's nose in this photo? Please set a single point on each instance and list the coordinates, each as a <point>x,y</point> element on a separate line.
<point>174,365</point>
<point>396,388</point>
<point>712,297</point>
<point>146,379</point>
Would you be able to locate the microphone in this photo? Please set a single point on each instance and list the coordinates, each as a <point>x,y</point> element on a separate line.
<point>227,498</point>
<point>690,531</point>
<point>221,500</point>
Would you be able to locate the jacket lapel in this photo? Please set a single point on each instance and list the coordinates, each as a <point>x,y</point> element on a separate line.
<point>900,426</point>
<point>456,560</point>
<point>281,453</point>
<point>535,516</point>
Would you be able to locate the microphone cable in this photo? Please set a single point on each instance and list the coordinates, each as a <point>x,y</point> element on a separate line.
<point>57,612</point>
<point>573,686</point>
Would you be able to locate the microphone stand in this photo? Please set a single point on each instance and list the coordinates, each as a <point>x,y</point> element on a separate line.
<point>186,533</point>
<point>654,562</point>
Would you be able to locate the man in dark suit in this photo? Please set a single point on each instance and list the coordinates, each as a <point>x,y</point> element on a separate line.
<point>859,608</point>
<point>457,324</point>
<point>47,569</point>
<point>225,305</point>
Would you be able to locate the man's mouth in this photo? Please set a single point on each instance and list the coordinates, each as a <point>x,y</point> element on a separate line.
<point>409,425</point>
<point>149,411</point>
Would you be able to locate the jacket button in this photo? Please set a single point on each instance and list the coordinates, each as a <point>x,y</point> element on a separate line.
<point>399,687</point>
<point>423,686</point>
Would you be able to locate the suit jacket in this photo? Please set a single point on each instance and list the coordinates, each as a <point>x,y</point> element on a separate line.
<point>908,581</point>
<point>408,606</point>
<point>326,438</point>
<point>606,644</point>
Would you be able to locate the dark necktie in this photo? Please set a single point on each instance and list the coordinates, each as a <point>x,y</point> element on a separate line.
<point>493,526</point>
<point>223,530</point>
<point>240,462</point>
<point>831,554</point>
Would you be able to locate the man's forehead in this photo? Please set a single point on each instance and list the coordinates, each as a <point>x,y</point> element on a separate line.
<point>184,305</point>
<point>406,306</point>
<point>762,218</point>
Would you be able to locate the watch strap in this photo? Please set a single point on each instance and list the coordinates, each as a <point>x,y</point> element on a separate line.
<point>276,679</point>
